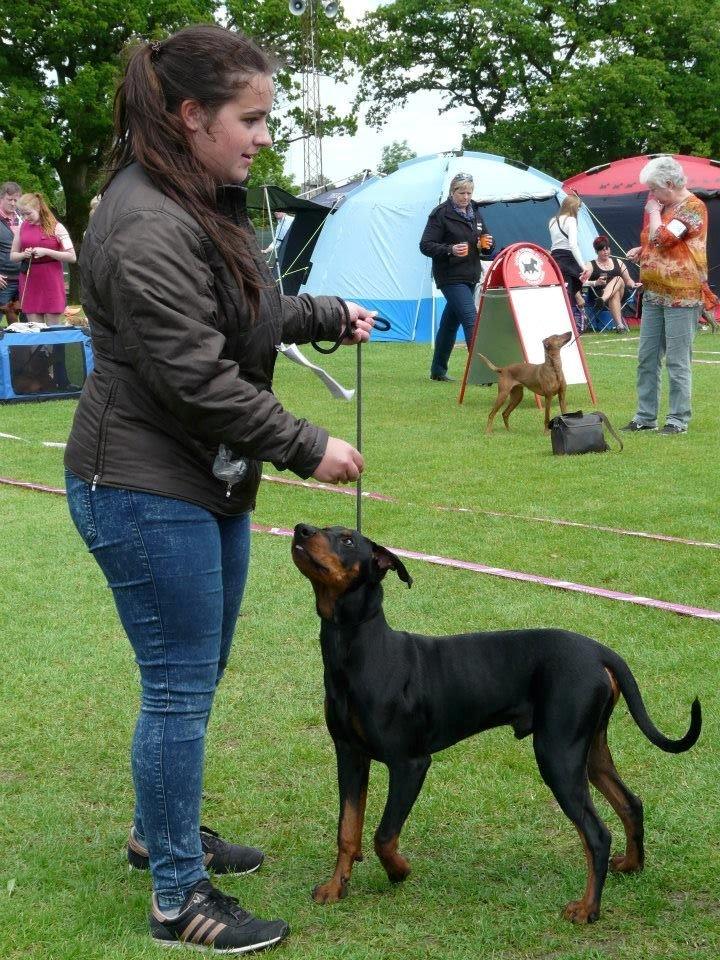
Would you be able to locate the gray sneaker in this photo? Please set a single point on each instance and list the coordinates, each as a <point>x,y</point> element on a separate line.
<point>211,920</point>
<point>219,855</point>
<point>635,427</point>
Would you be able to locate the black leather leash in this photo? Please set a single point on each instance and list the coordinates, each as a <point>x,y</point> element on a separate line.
<point>381,324</point>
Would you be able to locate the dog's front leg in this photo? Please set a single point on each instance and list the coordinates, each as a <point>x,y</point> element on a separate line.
<point>548,402</point>
<point>406,780</point>
<point>353,770</point>
<point>561,398</point>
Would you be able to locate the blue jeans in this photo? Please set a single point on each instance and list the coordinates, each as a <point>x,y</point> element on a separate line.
<point>10,292</point>
<point>459,309</point>
<point>665,332</point>
<point>177,573</point>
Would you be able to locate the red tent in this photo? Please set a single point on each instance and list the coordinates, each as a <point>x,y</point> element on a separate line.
<point>616,198</point>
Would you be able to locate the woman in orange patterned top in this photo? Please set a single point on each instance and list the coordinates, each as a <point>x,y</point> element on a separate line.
<point>673,267</point>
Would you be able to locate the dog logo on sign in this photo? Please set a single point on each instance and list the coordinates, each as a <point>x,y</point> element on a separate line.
<point>530,266</point>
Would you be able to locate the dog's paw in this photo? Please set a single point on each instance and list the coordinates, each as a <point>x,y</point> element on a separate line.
<point>398,870</point>
<point>621,863</point>
<point>330,892</point>
<point>577,911</point>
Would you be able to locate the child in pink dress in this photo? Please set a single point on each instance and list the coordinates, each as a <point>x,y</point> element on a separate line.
<point>46,245</point>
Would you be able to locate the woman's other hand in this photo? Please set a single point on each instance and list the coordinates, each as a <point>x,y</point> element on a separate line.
<point>634,253</point>
<point>459,249</point>
<point>342,463</point>
<point>362,321</point>
<point>653,206</point>
<point>585,275</point>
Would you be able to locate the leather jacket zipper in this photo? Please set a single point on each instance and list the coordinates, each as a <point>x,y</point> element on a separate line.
<point>102,433</point>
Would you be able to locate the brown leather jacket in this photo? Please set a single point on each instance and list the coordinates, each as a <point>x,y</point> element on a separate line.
<point>179,367</point>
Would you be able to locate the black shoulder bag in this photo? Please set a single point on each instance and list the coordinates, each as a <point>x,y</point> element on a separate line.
<point>581,433</point>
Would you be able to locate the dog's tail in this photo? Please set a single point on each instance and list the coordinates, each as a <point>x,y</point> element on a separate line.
<point>488,362</point>
<point>631,692</point>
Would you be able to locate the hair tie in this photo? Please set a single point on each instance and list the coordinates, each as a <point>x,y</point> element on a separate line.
<point>155,50</point>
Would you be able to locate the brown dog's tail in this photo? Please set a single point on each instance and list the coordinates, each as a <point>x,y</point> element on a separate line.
<point>488,362</point>
<point>631,692</point>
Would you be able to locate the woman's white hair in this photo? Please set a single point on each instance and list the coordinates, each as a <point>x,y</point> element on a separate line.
<point>661,171</point>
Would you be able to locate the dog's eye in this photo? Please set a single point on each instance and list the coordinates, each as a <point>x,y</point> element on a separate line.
<point>347,541</point>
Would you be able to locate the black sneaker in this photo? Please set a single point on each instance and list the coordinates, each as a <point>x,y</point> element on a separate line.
<point>672,428</point>
<point>209,919</point>
<point>634,426</point>
<point>220,856</point>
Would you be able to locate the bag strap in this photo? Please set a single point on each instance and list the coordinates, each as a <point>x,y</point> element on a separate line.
<point>610,427</point>
<point>566,235</point>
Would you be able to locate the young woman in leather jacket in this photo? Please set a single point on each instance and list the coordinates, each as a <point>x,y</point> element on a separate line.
<point>165,454</point>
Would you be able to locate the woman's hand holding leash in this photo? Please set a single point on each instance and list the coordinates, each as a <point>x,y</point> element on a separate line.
<point>362,321</point>
<point>342,463</point>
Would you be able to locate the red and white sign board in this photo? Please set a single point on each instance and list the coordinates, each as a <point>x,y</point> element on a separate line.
<point>523,301</point>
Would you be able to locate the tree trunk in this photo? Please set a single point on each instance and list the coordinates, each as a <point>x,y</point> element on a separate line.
<point>77,179</point>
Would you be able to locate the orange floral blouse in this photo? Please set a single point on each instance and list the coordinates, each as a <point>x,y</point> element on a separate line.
<point>672,268</point>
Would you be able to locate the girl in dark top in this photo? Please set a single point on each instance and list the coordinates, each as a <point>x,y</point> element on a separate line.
<point>610,279</point>
<point>165,454</point>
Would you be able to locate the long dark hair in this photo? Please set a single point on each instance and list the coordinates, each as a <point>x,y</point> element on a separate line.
<point>204,63</point>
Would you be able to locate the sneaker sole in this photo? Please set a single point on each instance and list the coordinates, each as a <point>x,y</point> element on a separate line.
<point>183,944</point>
<point>136,862</point>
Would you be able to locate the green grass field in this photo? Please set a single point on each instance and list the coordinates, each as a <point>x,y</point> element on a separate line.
<point>494,860</point>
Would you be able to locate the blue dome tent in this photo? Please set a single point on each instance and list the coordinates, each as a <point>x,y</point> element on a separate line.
<point>367,250</point>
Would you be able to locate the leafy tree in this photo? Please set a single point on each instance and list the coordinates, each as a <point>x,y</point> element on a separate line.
<point>563,84</point>
<point>393,154</point>
<point>59,62</point>
<point>15,166</point>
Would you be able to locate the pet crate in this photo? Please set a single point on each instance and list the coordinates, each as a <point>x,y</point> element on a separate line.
<point>47,365</point>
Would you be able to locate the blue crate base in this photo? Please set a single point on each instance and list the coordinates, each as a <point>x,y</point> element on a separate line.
<point>49,365</point>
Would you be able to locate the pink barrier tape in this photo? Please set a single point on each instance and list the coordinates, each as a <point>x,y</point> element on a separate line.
<point>328,488</point>
<point>679,608</point>
<point>633,356</point>
<point>589,526</point>
<point>31,486</point>
<point>666,538</point>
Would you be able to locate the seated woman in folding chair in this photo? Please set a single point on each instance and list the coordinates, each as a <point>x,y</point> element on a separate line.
<point>609,280</point>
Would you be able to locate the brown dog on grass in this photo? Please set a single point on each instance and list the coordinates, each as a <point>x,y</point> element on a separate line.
<point>546,379</point>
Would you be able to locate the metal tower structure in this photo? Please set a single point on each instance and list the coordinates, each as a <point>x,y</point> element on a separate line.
<point>312,130</point>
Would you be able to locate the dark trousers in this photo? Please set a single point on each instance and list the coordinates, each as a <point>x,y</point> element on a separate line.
<point>459,309</point>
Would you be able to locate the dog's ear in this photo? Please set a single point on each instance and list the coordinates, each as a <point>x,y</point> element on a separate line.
<point>384,560</point>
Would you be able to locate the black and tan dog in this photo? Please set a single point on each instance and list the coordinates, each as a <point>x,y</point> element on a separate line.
<point>399,697</point>
<point>545,379</point>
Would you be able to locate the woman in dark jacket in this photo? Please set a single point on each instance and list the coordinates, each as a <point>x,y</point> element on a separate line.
<point>456,239</point>
<point>164,459</point>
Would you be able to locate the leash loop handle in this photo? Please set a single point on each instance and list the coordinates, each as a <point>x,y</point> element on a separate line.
<point>381,324</point>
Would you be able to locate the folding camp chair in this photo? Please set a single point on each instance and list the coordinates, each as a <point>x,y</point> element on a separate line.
<point>599,317</point>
